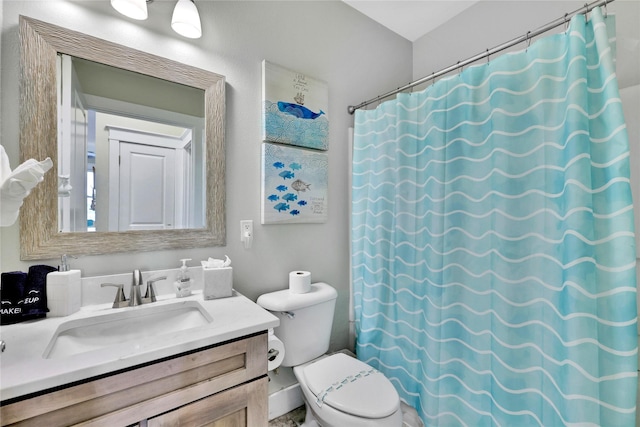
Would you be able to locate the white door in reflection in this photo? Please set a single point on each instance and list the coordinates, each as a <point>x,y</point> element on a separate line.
<point>147,187</point>
<point>149,180</point>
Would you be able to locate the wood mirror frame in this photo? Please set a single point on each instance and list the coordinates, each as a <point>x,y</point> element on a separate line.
<point>40,43</point>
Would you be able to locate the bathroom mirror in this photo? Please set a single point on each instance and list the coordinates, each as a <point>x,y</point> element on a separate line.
<point>40,235</point>
<point>130,150</point>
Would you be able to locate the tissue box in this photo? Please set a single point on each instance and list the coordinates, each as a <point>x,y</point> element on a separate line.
<point>218,282</point>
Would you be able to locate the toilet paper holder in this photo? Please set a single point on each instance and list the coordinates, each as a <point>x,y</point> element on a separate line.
<point>272,354</point>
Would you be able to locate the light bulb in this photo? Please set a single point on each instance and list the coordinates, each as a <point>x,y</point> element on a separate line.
<point>134,9</point>
<point>186,19</point>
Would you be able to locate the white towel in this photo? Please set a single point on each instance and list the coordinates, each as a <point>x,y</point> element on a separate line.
<point>16,185</point>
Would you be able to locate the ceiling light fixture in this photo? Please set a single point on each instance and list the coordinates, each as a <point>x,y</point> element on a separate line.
<point>184,21</point>
<point>134,9</point>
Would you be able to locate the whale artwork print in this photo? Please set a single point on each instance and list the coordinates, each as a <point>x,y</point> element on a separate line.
<point>299,111</point>
<point>297,192</point>
<point>294,107</point>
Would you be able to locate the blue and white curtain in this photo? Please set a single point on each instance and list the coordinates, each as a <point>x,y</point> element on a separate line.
<point>493,254</point>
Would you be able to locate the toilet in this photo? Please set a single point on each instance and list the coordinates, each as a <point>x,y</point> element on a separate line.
<point>339,390</point>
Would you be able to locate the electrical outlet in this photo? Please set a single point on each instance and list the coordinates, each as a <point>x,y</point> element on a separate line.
<point>246,232</point>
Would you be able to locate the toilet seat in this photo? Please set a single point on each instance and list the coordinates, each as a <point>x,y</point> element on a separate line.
<point>351,386</point>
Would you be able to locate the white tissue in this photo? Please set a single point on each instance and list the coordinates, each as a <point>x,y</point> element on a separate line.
<point>216,263</point>
<point>16,185</point>
<point>217,276</point>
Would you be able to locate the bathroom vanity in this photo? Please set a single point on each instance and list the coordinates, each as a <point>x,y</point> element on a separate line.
<point>212,373</point>
<point>185,361</point>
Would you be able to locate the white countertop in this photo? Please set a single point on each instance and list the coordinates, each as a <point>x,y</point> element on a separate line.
<point>24,369</point>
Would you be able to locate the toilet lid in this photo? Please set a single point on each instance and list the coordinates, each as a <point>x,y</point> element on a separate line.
<point>349,385</point>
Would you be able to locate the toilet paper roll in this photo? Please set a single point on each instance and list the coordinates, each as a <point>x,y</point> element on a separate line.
<point>299,282</point>
<point>275,353</point>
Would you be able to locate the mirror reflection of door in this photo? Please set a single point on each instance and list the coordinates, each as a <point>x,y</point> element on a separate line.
<point>94,101</point>
<point>147,199</point>
<point>152,174</point>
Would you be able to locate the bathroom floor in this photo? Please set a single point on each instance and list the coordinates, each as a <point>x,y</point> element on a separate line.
<point>290,419</point>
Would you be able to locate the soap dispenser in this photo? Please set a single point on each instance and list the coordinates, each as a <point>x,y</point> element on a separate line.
<point>183,281</point>
<point>64,290</point>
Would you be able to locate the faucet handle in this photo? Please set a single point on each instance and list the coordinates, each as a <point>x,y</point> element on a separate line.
<point>150,295</point>
<point>120,300</point>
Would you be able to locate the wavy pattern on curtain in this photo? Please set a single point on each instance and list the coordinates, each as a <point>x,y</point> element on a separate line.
<point>493,251</point>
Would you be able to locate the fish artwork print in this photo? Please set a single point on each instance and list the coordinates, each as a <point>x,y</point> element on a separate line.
<point>300,185</point>
<point>294,188</point>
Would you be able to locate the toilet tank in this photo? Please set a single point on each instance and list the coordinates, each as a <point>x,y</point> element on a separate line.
<point>305,321</point>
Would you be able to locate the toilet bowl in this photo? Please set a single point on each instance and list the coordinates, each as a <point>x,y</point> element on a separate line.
<point>338,390</point>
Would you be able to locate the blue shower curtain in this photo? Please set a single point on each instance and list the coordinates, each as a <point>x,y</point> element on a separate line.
<point>493,250</point>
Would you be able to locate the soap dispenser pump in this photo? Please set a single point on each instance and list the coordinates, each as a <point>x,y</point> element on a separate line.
<point>64,263</point>
<point>183,281</point>
<point>64,289</point>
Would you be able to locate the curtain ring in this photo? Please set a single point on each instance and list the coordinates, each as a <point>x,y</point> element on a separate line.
<point>488,55</point>
<point>433,78</point>
<point>528,39</point>
<point>566,22</point>
<point>605,9</point>
<point>586,11</point>
<point>459,68</point>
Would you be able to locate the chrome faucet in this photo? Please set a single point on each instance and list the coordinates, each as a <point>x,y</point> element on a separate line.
<point>135,297</point>
<point>134,293</point>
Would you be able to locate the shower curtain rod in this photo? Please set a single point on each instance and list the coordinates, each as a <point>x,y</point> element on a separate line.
<point>524,38</point>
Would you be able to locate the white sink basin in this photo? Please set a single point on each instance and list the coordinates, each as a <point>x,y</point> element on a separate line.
<point>126,326</point>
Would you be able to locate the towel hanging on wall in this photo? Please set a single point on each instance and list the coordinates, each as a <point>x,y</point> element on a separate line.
<point>16,185</point>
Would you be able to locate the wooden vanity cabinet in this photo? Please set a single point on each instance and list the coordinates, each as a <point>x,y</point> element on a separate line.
<point>221,386</point>
<point>228,408</point>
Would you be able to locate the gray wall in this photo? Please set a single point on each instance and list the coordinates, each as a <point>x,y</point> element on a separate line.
<point>490,23</point>
<point>326,39</point>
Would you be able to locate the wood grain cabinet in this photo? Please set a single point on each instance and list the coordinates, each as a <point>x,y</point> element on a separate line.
<point>221,386</point>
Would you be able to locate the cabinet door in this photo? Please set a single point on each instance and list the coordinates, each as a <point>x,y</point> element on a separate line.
<point>127,397</point>
<point>243,405</point>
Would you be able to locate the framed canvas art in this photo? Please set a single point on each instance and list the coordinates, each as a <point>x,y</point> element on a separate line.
<point>294,108</point>
<point>294,185</point>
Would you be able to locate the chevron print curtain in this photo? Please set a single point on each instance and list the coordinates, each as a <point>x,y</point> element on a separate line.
<point>493,251</point>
